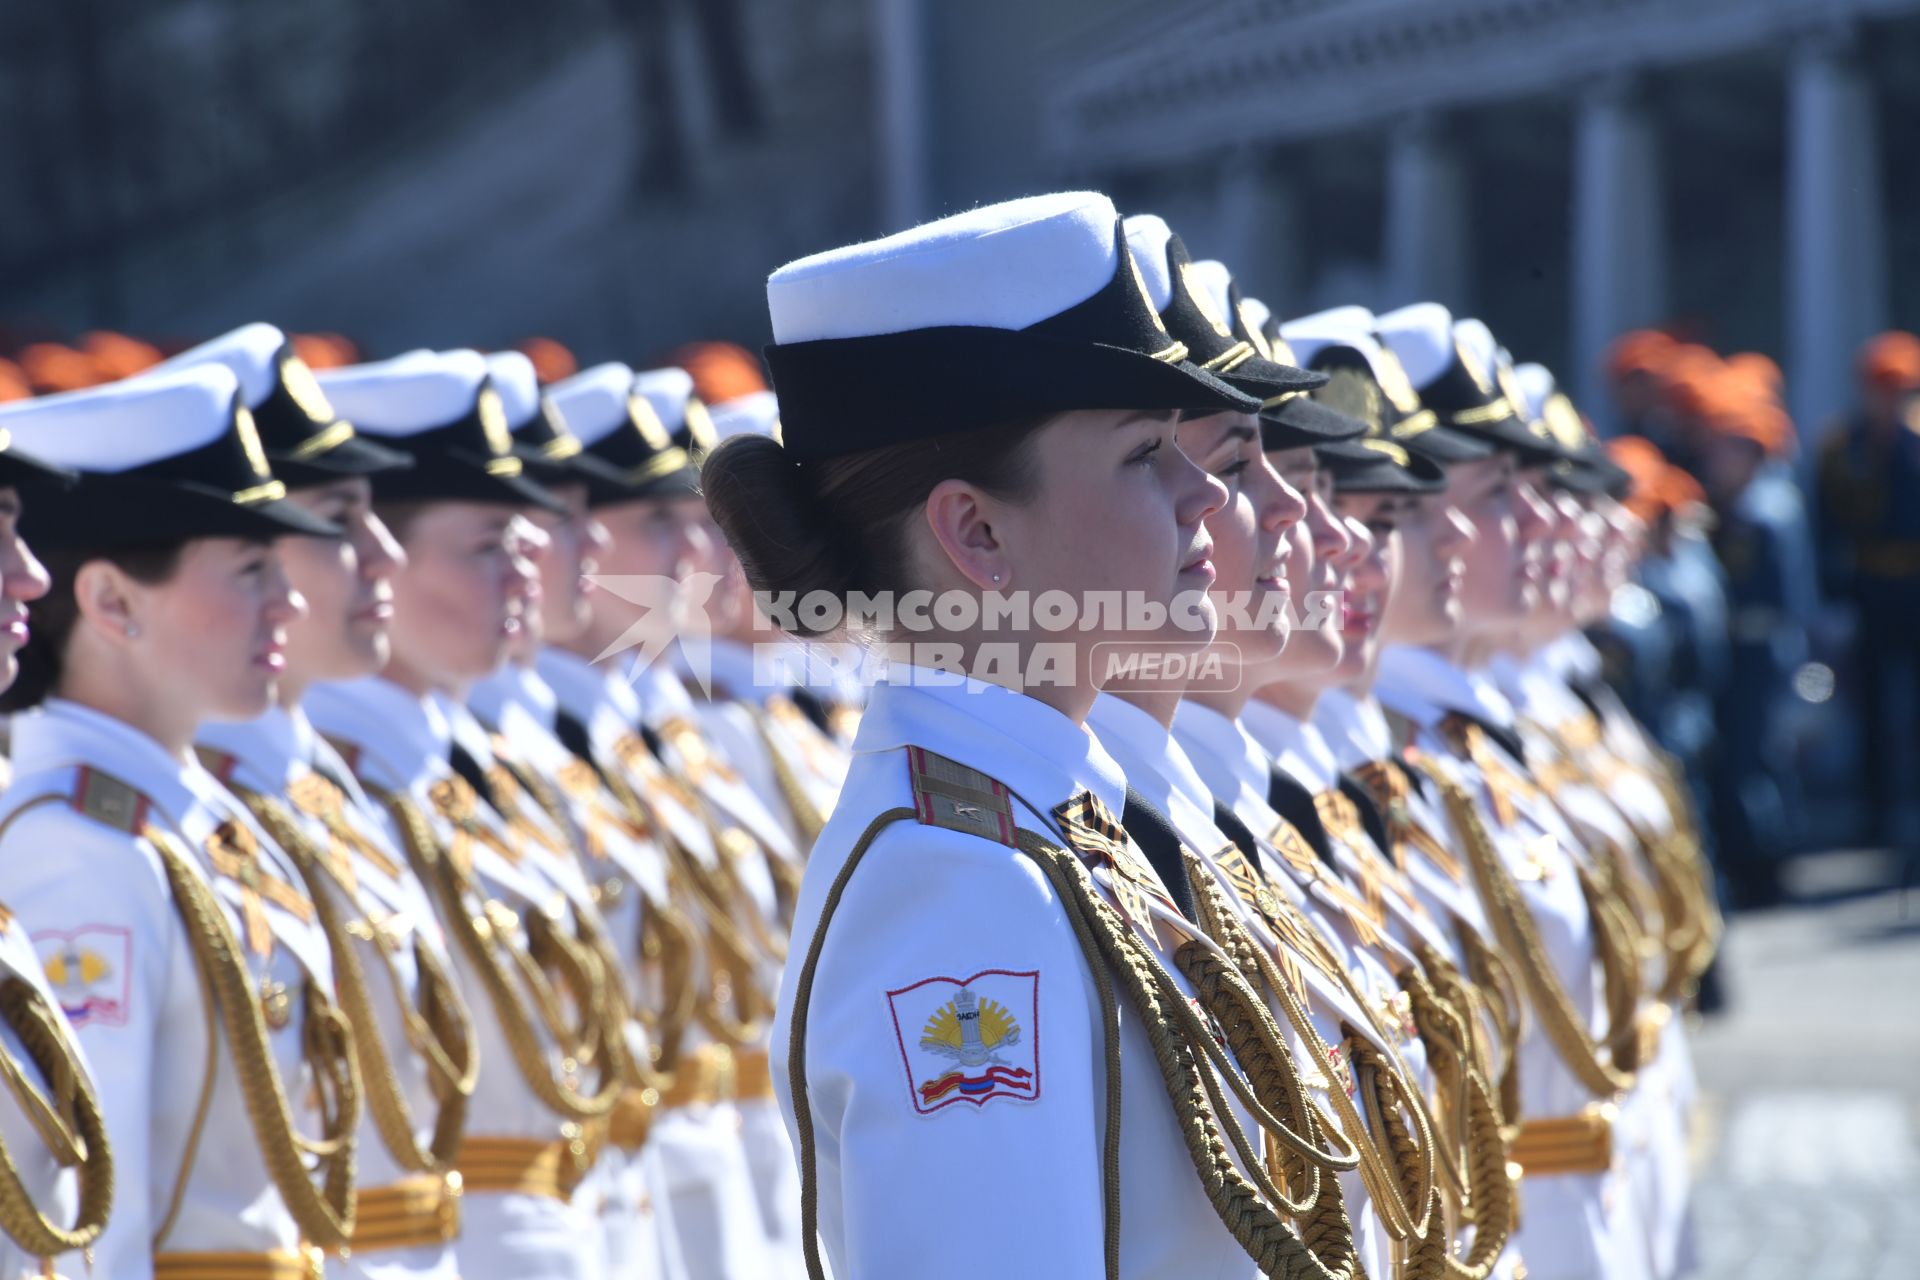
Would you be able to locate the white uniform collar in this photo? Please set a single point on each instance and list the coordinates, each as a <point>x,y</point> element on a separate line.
<point>1294,745</point>
<point>1356,728</point>
<point>275,747</point>
<point>516,684</point>
<point>1155,763</point>
<point>737,675</point>
<point>1016,740</point>
<point>407,737</point>
<point>1424,686</point>
<point>466,729</point>
<point>1227,759</point>
<point>660,694</point>
<point>60,734</point>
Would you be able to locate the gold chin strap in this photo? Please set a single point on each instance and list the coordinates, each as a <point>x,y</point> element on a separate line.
<point>324,1215</point>
<point>438,1027</point>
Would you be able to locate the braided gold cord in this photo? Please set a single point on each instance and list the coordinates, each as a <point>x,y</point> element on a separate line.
<point>450,887</point>
<point>323,1216</point>
<point>807,818</point>
<point>1519,938</point>
<point>84,1145</point>
<point>449,1050</point>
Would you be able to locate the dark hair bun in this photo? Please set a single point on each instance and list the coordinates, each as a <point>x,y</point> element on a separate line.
<point>776,524</point>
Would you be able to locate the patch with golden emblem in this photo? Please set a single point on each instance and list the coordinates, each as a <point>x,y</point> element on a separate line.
<point>90,970</point>
<point>969,1039</point>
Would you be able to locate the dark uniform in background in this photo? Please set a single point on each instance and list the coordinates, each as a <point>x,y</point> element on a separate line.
<point>1869,522</point>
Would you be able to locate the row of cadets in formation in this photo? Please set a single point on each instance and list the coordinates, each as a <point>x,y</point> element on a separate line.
<point>388,935</point>
<point>1357,951</point>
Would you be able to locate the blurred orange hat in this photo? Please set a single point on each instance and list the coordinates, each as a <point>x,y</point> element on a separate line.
<point>722,371</point>
<point>1758,369</point>
<point>1737,411</point>
<point>551,360</point>
<point>1659,487</point>
<point>324,350</point>
<point>53,367</point>
<point>1638,351</point>
<point>116,356</point>
<point>13,382</point>
<point>1891,362</point>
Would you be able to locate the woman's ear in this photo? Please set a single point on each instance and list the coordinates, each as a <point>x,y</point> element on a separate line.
<point>958,517</point>
<point>105,600</point>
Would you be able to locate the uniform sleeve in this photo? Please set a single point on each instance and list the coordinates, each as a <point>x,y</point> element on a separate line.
<point>94,903</point>
<point>954,1067</point>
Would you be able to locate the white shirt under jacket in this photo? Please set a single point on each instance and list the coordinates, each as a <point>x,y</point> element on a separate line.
<point>921,1173</point>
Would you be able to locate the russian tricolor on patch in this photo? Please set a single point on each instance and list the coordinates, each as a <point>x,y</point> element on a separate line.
<point>969,1039</point>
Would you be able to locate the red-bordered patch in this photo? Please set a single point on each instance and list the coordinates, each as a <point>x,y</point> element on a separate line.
<point>969,1039</point>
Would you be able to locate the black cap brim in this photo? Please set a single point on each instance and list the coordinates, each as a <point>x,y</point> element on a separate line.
<point>23,470</point>
<point>354,456</point>
<point>141,511</point>
<point>682,482</point>
<point>1358,466</point>
<point>1443,445</point>
<point>1300,421</point>
<point>454,475</point>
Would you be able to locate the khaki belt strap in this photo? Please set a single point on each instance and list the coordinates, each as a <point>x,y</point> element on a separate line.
<point>1579,1143</point>
<point>632,1118</point>
<point>523,1166</point>
<point>306,1264</point>
<point>409,1214</point>
<point>752,1076</point>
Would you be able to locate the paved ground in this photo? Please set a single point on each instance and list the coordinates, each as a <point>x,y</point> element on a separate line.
<point>1808,1147</point>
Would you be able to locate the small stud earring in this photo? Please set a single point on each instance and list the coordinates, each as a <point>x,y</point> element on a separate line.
<point>996,577</point>
<point>133,630</point>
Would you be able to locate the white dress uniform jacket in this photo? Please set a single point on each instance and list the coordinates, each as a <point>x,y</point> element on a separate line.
<point>701,1147</point>
<point>391,923</point>
<point>627,1191</point>
<point>400,743</point>
<point>928,1167</point>
<point>1576,1226</point>
<point>190,1177</point>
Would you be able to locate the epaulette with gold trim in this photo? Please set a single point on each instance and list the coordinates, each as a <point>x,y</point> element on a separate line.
<point>109,801</point>
<point>950,795</point>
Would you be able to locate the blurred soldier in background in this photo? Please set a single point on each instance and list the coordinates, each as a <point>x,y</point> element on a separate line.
<point>1868,503</point>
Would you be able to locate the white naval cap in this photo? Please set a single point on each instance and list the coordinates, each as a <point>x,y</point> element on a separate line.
<point>1350,316</point>
<point>411,393</point>
<point>1477,345</point>
<point>1011,312</point>
<point>1002,266</point>
<point>517,384</point>
<point>670,391</point>
<point>756,413</point>
<point>594,401</point>
<point>1536,383</point>
<point>1147,237</point>
<point>1421,336</point>
<point>1257,314</point>
<point>627,454</point>
<point>252,352</point>
<point>442,409</point>
<point>160,457</point>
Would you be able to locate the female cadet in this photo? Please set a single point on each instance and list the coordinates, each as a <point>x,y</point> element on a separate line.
<point>641,488</point>
<point>54,1147</point>
<point>623,863</point>
<point>1581,1218</point>
<point>192,962</point>
<point>964,1002</point>
<point>1306,975</point>
<point>393,971</point>
<point>549,1018</point>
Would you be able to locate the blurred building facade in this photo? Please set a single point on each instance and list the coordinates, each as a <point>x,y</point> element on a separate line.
<point>622,173</point>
